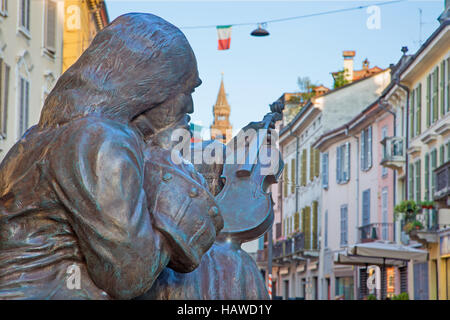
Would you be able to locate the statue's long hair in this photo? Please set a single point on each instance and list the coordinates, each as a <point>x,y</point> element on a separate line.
<point>134,64</point>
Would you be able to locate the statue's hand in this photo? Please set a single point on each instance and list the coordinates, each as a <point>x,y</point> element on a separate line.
<point>183,210</point>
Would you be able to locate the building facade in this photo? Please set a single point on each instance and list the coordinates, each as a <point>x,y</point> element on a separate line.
<point>298,256</point>
<point>421,99</point>
<point>82,21</point>
<point>31,34</point>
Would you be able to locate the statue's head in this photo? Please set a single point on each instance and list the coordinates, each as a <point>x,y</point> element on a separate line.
<point>138,63</point>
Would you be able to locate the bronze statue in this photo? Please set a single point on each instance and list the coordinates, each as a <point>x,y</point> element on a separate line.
<point>94,186</point>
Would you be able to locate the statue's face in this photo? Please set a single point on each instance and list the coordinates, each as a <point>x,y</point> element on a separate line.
<point>171,114</point>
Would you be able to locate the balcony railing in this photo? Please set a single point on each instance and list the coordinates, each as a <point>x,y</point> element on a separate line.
<point>285,248</point>
<point>393,152</point>
<point>261,255</point>
<point>442,181</point>
<point>376,231</point>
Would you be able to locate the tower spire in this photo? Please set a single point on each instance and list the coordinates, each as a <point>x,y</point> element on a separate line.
<point>221,127</point>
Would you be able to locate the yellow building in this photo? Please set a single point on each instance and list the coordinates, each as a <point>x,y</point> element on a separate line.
<point>421,155</point>
<point>83,19</point>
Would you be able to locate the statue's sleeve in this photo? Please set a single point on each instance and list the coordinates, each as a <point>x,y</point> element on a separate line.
<point>98,177</point>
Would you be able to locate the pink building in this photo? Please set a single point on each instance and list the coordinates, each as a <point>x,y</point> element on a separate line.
<point>357,201</point>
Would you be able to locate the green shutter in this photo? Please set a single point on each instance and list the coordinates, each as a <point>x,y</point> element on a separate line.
<point>304,172</point>
<point>448,84</point>
<point>418,181</point>
<point>317,162</point>
<point>441,155</point>
<point>285,180</point>
<point>411,182</point>
<point>428,100</point>
<point>296,221</point>
<point>442,89</point>
<point>314,224</point>
<point>293,167</point>
<point>412,114</point>
<point>303,219</point>
<point>433,166</point>
<point>419,110</point>
<point>308,228</point>
<point>435,95</point>
<point>427,177</point>
<point>311,164</point>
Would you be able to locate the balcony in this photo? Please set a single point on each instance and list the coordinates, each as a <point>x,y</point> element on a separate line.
<point>289,248</point>
<point>376,231</point>
<point>442,190</point>
<point>428,234</point>
<point>261,256</point>
<point>393,152</point>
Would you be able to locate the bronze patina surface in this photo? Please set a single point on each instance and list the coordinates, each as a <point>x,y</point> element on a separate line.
<point>93,183</point>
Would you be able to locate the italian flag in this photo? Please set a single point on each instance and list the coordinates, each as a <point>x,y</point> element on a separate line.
<point>224,34</point>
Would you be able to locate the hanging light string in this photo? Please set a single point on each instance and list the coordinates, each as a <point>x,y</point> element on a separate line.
<point>300,17</point>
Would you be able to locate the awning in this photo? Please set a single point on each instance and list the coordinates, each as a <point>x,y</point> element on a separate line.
<point>381,253</point>
<point>361,260</point>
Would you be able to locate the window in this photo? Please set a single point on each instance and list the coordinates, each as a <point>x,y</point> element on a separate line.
<point>448,150</point>
<point>50,26</point>
<point>447,87</point>
<point>326,230</point>
<point>418,108</point>
<point>384,170</point>
<point>25,14</point>
<point>441,155</point>
<point>344,225</point>
<point>285,180</point>
<point>366,148</point>
<point>427,177</point>
<point>433,166</point>
<point>296,222</point>
<point>314,162</point>
<point>412,114</point>
<point>410,181</point>
<point>343,163</point>
<point>418,182</point>
<point>293,174</point>
<point>4,93</point>
<point>315,213</point>
<point>303,169</point>
<point>366,207</point>
<point>384,212</point>
<point>24,96</point>
<point>442,88</point>
<point>306,226</point>
<point>325,170</point>
<point>4,7</point>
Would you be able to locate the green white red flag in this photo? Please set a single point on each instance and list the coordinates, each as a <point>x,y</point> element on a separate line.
<point>224,34</point>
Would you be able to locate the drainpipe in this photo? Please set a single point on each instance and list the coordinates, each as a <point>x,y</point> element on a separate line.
<point>297,155</point>
<point>355,272</point>
<point>383,105</point>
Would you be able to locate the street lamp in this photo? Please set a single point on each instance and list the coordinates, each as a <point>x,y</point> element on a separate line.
<point>260,31</point>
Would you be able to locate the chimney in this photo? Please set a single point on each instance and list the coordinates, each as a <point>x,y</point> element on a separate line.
<point>348,64</point>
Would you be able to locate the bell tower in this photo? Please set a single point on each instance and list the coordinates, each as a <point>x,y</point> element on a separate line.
<point>221,127</point>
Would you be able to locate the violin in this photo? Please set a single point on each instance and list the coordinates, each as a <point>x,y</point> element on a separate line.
<point>245,204</point>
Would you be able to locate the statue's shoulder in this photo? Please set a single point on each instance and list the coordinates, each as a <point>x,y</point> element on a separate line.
<point>97,127</point>
<point>92,137</point>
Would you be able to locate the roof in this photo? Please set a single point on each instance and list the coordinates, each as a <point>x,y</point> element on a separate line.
<point>430,39</point>
<point>222,101</point>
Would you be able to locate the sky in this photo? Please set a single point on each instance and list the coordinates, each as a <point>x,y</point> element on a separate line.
<point>257,71</point>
